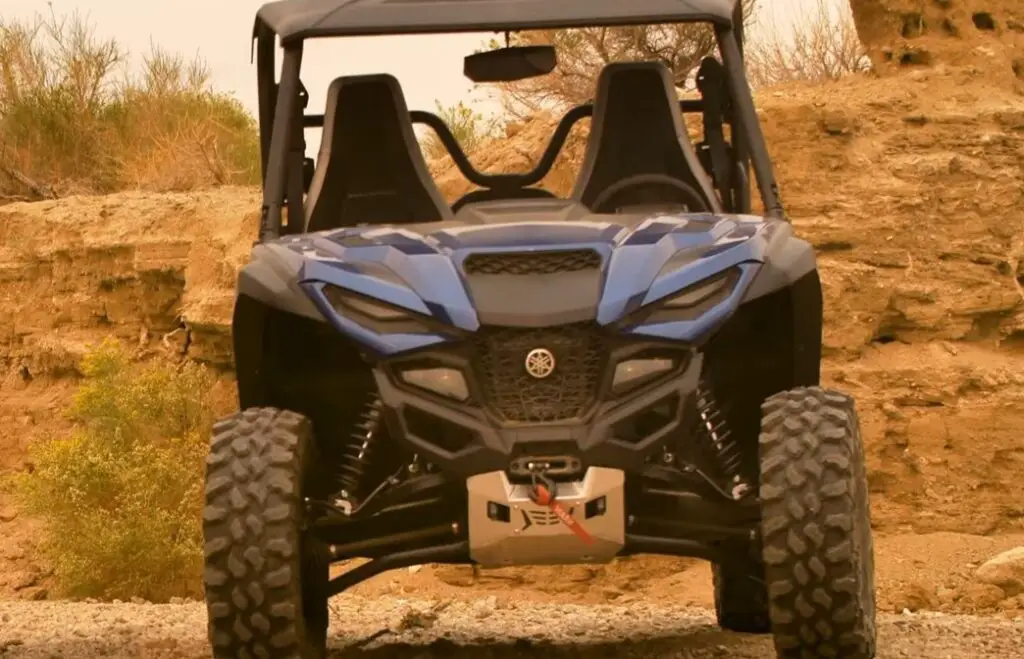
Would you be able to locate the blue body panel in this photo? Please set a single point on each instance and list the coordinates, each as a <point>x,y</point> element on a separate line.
<point>643,262</point>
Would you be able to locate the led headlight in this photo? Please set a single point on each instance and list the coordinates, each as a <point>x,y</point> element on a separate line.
<point>689,303</point>
<point>633,373</point>
<point>344,302</point>
<point>448,382</point>
<point>699,292</point>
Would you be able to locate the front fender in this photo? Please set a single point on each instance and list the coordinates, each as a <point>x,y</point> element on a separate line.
<point>272,278</point>
<point>786,260</point>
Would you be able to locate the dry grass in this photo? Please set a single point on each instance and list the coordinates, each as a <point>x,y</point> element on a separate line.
<point>822,46</point>
<point>73,121</point>
<point>470,129</point>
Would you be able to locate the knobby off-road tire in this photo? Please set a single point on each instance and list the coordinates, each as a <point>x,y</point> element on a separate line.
<point>816,523</point>
<point>265,579</point>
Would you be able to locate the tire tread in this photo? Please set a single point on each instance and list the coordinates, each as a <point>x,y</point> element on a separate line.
<point>814,501</point>
<point>252,537</point>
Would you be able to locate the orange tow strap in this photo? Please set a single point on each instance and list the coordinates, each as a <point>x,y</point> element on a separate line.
<point>543,496</point>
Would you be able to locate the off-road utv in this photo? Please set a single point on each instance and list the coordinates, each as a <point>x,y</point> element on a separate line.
<point>517,378</point>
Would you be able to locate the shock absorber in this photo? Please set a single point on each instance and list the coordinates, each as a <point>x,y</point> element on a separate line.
<point>726,450</point>
<point>357,458</point>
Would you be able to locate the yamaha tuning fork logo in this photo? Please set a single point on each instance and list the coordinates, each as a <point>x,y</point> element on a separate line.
<point>540,363</point>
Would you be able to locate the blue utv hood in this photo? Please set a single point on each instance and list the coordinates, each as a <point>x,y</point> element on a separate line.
<point>420,269</point>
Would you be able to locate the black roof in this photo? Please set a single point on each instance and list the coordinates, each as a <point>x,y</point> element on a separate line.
<point>302,19</point>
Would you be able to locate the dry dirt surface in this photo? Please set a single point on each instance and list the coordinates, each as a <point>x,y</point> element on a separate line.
<point>383,628</point>
<point>915,572</point>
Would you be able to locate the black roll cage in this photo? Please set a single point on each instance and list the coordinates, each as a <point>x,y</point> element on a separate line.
<point>285,169</point>
<point>503,183</point>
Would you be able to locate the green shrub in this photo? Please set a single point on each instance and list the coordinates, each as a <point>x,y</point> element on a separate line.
<point>73,121</point>
<point>469,128</point>
<point>121,497</point>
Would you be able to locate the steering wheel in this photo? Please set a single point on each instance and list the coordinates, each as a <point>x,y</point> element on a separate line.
<point>694,200</point>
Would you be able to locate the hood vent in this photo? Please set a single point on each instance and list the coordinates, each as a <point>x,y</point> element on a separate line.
<point>532,263</point>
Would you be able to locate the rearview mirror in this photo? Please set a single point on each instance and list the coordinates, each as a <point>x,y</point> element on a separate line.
<point>510,64</point>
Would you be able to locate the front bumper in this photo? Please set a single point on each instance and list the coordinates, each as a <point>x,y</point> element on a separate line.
<point>507,528</point>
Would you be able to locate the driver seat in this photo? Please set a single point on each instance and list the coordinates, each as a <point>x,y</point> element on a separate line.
<point>370,169</point>
<point>637,128</point>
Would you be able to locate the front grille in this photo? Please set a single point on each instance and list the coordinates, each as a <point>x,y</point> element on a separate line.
<point>543,517</point>
<point>508,389</point>
<point>532,263</point>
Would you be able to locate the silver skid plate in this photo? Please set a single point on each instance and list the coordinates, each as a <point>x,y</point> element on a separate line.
<point>507,528</point>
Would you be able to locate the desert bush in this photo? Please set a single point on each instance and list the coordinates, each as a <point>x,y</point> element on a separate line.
<point>121,497</point>
<point>583,52</point>
<point>73,120</point>
<point>821,45</point>
<point>469,127</point>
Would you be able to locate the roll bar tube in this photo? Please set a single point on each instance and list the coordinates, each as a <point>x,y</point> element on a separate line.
<point>275,183</point>
<point>746,119</point>
<point>504,181</point>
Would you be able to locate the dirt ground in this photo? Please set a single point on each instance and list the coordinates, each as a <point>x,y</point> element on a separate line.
<point>932,571</point>
<point>909,187</point>
<point>422,628</point>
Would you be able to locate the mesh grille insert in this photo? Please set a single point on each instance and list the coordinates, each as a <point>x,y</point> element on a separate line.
<point>500,356</point>
<point>532,263</point>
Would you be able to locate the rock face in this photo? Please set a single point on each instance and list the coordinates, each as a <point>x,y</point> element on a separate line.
<point>986,34</point>
<point>139,267</point>
<point>136,266</point>
<point>1005,571</point>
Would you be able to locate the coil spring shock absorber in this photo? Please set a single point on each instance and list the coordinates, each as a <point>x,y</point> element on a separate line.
<point>727,451</point>
<point>358,454</point>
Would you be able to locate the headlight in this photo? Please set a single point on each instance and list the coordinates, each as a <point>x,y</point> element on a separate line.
<point>448,382</point>
<point>699,292</point>
<point>689,303</point>
<point>345,302</point>
<point>633,373</point>
<point>647,367</point>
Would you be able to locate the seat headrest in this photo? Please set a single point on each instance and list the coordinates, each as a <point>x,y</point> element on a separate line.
<point>637,128</point>
<point>370,167</point>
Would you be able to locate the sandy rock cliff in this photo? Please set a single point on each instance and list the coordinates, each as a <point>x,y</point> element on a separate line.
<point>984,33</point>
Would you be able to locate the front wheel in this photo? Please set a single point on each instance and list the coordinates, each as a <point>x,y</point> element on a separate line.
<point>816,524</point>
<point>265,579</point>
